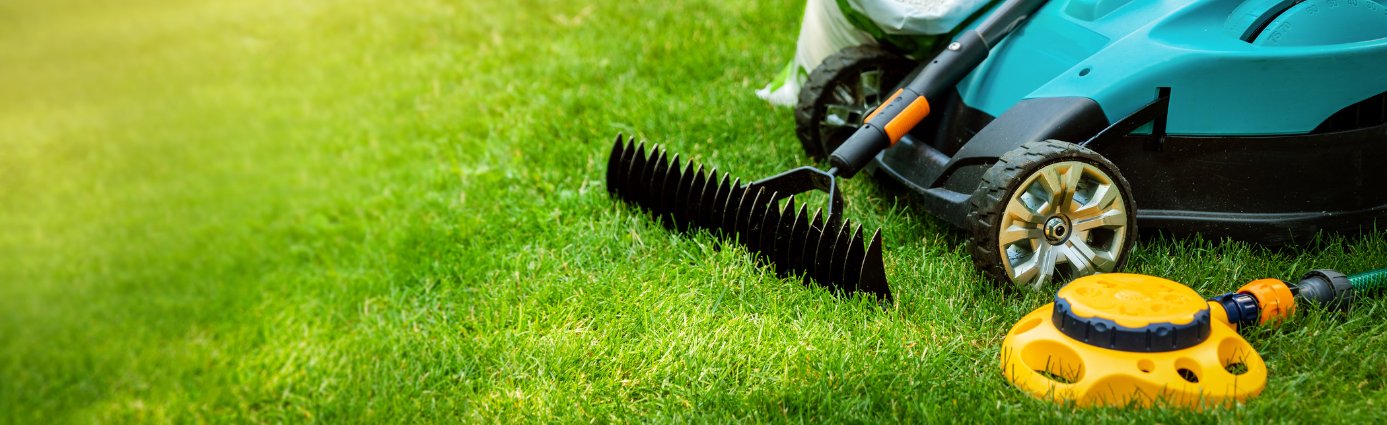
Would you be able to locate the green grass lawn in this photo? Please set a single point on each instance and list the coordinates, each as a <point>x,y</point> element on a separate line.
<point>393,211</point>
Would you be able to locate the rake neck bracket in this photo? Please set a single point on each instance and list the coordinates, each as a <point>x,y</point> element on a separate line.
<point>800,180</point>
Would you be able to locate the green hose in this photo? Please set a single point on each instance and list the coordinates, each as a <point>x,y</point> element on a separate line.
<point>1369,281</point>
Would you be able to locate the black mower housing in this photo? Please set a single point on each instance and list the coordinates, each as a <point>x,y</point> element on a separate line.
<point>1264,189</point>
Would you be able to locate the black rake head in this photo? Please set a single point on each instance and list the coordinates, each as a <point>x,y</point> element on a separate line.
<point>826,249</point>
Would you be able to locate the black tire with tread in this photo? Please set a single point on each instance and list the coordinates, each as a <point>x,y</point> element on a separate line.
<point>809,109</point>
<point>990,199</point>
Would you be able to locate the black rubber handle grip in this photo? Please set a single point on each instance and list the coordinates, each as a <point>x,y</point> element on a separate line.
<point>858,150</point>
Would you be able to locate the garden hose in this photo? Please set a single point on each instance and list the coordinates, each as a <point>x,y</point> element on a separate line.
<point>1369,281</point>
<point>1130,339</point>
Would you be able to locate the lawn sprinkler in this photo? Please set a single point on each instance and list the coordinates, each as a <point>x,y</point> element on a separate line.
<point>1130,339</point>
<point>1043,125</point>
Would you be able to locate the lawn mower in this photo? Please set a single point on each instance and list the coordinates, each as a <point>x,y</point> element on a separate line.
<point>1126,339</point>
<point>1042,124</point>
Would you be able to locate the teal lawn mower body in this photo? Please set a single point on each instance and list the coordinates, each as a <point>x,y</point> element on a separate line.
<point>1257,120</point>
<point>1232,68</point>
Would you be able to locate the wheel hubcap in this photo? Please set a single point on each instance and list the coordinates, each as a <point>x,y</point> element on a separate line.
<point>1066,220</point>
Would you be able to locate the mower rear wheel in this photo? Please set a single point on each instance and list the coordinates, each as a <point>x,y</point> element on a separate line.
<point>841,92</point>
<point>1051,211</point>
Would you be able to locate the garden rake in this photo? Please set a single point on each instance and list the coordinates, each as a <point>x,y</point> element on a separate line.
<point>823,248</point>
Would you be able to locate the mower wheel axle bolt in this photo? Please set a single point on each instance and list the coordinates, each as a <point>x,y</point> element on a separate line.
<point>1056,229</point>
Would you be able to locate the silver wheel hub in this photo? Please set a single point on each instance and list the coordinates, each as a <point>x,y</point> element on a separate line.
<point>1066,220</point>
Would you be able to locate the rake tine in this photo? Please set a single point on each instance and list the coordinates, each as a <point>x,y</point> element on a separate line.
<point>725,219</point>
<point>614,167</point>
<point>648,178</point>
<point>651,179</point>
<point>705,199</point>
<point>639,165</point>
<point>765,232</point>
<point>690,192</point>
<point>785,236</point>
<point>749,220</point>
<point>705,207</point>
<point>834,217</point>
<point>823,256</point>
<point>794,258</point>
<point>659,168</point>
<point>809,249</point>
<point>852,263</point>
<point>727,223</point>
<point>669,189</point>
<point>710,193</point>
<point>838,259</point>
<point>794,251</point>
<point>738,206</point>
<point>719,206</point>
<point>631,190</point>
<point>874,271</point>
<point>741,211</point>
<point>623,173</point>
<point>694,209</point>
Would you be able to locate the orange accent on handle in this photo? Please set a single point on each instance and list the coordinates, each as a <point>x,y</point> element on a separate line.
<point>1274,299</point>
<point>883,105</point>
<point>907,119</point>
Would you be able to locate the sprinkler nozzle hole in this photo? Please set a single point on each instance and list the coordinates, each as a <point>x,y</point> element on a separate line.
<point>1236,368</point>
<point>1026,326</point>
<point>1188,369</point>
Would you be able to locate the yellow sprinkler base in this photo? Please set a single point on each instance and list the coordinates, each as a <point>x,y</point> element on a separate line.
<point>1127,339</point>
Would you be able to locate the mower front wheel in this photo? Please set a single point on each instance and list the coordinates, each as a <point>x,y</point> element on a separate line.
<point>1051,211</point>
